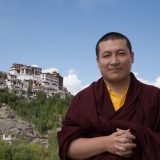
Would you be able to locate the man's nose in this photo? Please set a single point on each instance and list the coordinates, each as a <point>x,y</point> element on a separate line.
<point>114,59</point>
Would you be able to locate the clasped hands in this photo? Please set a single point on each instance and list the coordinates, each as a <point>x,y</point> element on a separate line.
<point>122,143</point>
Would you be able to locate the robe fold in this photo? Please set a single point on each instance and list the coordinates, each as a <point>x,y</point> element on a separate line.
<point>91,114</point>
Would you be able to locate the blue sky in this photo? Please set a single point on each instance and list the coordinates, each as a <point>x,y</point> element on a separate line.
<point>62,34</point>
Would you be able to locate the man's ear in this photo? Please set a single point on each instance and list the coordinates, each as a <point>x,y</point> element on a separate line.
<point>97,59</point>
<point>132,57</point>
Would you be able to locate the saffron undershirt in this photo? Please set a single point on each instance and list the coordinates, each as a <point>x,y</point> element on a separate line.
<point>117,100</point>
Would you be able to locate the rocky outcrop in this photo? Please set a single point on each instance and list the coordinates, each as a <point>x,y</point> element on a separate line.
<point>10,123</point>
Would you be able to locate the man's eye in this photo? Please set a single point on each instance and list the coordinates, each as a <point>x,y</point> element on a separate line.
<point>106,55</point>
<point>121,53</point>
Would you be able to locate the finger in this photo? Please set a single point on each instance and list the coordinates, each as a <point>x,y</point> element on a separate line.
<point>118,129</point>
<point>126,138</point>
<point>125,154</point>
<point>120,148</point>
<point>125,133</point>
<point>125,146</point>
<point>121,132</point>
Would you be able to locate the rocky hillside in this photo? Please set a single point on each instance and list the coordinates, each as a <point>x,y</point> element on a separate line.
<point>11,124</point>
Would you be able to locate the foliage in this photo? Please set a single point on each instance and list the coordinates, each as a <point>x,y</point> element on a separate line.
<point>6,97</point>
<point>29,89</point>
<point>5,151</point>
<point>23,151</point>
<point>45,114</point>
<point>3,75</point>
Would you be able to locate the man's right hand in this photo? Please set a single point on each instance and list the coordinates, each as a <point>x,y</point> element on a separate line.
<point>121,143</point>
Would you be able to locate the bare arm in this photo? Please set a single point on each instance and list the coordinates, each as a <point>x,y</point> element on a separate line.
<point>120,143</point>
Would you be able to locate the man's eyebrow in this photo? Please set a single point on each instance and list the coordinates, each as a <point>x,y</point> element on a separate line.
<point>121,50</point>
<point>106,51</point>
<point>118,50</point>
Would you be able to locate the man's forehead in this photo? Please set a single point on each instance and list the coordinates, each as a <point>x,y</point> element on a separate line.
<point>114,43</point>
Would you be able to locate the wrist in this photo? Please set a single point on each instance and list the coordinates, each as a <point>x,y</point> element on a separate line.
<point>105,144</point>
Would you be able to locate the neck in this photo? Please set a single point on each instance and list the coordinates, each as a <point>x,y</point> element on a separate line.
<point>119,86</point>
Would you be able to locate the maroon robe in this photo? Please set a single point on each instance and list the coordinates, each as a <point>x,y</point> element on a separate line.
<point>91,114</point>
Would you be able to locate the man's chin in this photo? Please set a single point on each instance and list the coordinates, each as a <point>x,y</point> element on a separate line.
<point>114,79</point>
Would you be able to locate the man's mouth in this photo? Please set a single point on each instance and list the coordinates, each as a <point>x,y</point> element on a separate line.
<point>115,69</point>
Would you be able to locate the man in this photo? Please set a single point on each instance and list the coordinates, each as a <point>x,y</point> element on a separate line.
<point>117,117</point>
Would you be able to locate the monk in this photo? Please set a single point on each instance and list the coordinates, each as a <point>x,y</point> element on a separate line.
<point>115,118</point>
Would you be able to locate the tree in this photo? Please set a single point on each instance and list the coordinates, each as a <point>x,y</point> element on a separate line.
<point>53,145</point>
<point>3,75</point>
<point>29,89</point>
<point>38,151</point>
<point>5,151</point>
<point>41,97</point>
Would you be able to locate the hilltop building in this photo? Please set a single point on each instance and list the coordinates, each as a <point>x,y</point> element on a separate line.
<point>22,77</point>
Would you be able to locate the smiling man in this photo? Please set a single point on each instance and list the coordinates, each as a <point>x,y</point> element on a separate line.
<point>114,60</point>
<point>111,119</point>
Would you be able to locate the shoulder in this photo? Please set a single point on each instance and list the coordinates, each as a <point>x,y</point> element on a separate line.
<point>150,88</point>
<point>150,93</point>
<point>88,94</point>
<point>145,88</point>
<point>91,89</point>
<point>83,103</point>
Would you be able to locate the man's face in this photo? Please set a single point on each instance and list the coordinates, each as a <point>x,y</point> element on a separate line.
<point>114,60</point>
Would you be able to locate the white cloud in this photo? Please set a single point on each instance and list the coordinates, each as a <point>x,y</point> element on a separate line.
<point>157,82</point>
<point>34,65</point>
<point>141,79</point>
<point>154,83</point>
<point>50,70</point>
<point>72,82</point>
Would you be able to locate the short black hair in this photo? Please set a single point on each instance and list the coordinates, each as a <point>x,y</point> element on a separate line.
<point>112,36</point>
